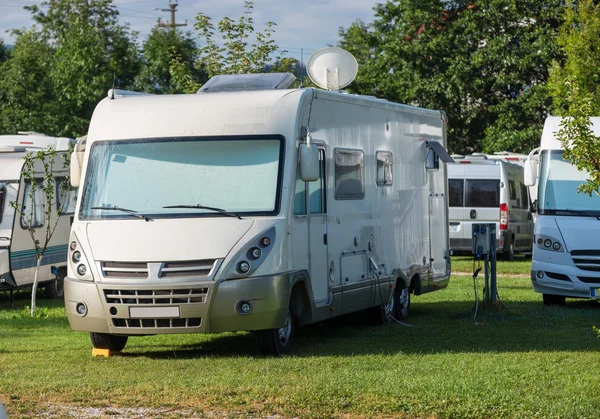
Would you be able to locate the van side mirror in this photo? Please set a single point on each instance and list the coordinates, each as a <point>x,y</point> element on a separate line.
<point>309,162</point>
<point>76,168</point>
<point>530,173</point>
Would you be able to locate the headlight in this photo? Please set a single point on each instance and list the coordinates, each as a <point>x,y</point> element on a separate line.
<point>548,243</point>
<point>251,255</point>
<point>81,270</point>
<point>76,256</point>
<point>243,267</point>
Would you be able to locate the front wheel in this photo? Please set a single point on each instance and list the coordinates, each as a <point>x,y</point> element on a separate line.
<point>55,288</point>
<point>278,341</point>
<point>115,343</point>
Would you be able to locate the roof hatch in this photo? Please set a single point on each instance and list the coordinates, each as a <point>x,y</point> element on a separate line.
<point>247,82</point>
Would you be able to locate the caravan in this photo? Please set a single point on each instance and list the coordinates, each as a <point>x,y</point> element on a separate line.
<point>253,208</point>
<point>17,251</point>
<point>566,252</point>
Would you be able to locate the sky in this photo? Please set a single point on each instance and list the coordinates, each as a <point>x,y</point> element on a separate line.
<point>301,24</point>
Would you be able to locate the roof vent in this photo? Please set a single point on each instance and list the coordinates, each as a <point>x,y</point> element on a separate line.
<point>247,82</point>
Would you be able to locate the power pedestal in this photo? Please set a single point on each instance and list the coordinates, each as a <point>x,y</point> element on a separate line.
<point>484,248</point>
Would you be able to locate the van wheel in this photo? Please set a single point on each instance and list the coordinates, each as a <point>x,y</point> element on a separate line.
<point>403,303</point>
<point>115,343</point>
<point>554,300</point>
<point>381,314</point>
<point>278,341</point>
<point>55,288</point>
<point>510,254</point>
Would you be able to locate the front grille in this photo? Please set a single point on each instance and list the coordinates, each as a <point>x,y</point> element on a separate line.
<point>589,279</point>
<point>587,260</point>
<point>142,297</point>
<point>145,270</point>
<point>157,323</point>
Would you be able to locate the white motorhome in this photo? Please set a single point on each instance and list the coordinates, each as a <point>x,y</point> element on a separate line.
<point>566,252</point>
<point>193,212</point>
<point>17,251</point>
<point>483,190</point>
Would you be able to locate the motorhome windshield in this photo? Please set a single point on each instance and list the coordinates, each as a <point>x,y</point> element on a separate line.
<point>558,194</point>
<point>175,177</point>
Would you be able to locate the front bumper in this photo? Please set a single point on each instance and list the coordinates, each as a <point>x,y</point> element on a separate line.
<point>198,307</point>
<point>568,281</point>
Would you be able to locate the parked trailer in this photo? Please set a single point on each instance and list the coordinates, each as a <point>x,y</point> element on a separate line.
<point>195,216</point>
<point>566,252</point>
<point>17,251</point>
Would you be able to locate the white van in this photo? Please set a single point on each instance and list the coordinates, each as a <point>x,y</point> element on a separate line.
<point>566,254</point>
<point>483,190</point>
<point>193,212</point>
<point>17,251</point>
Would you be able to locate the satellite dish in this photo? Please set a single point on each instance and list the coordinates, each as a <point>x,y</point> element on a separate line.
<point>332,68</point>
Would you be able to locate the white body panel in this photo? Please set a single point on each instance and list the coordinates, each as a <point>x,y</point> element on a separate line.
<point>348,248</point>
<point>476,177</point>
<point>574,269</point>
<point>17,252</point>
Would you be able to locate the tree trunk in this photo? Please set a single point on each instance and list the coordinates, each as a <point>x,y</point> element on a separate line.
<point>35,282</point>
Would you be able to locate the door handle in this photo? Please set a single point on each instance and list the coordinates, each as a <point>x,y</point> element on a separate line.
<point>473,214</point>
<point>325,239</point>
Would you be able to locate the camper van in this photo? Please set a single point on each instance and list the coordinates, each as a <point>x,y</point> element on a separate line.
<point>253,206</point>
<point>566,252</point>
<point>483,190</point>
<point>17,251</point>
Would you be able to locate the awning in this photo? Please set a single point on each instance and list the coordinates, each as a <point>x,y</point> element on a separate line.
<point>440,151</point>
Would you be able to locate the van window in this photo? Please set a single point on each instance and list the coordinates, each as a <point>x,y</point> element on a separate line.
<point>349,174</point>
<point>2,195</point>
<point>317,191</point>
<point>483,193</point>
<point>33,206</point>
<point>524,196</point>
<point>67,205</point>
<point>384,168</point>
<point>455,192</point>
<point>512,190</point>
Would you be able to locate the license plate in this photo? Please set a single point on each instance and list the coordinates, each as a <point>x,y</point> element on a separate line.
<point>595,292</point>
<point>153,312</point>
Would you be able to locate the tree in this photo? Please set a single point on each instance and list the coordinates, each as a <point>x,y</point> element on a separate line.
<point>485,64</point>
<point>85,51</point>
<point>158,50</point>
<point>575,89</point>
<point>43,161</point>
<point>236,56</point>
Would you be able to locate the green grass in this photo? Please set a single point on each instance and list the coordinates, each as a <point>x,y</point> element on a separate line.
<point>526,361</point>
<point>520,266</point>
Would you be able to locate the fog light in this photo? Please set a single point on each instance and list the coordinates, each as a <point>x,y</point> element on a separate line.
<point>243,267</point>
<point>245,307</point>
<point>76,256</point>
<point>539,241</point>
<point>547,243</point>
<point>82,270</point>
<point>539,274</point>
<point>81,309</point>
<point>556,246</point>
<point>265,241</point>
<point>255,252</point>
<point>73,245</point>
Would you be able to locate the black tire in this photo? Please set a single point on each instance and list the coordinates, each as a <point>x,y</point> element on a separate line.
<point>115,343</point>
<point>55,288</point>
<point>402,303</point>
<point>277,342</point>
<point>554,300</point>
<point>510,252</point>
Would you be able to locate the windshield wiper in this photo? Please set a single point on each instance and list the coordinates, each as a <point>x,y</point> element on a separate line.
<point>198,206</point>
<point>133,213</point>
<point>577,212</point>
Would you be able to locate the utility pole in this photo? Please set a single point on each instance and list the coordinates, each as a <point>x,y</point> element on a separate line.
<point>172,8</point>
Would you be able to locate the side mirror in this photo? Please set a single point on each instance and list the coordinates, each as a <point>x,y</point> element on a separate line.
<point>530,173</point>
<point>432,162</point>
<point>76,168</point>
<point>309,162</point>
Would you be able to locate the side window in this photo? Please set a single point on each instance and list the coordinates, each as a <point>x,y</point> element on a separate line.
<point>385,162</point>
<point>317,191</point>
<point>483,193</point>
<point>512,190</point>
<point>455,192</point>
<point>525,201</point>
<point>349,174</point>
<point>2,195</point>
<point>33,206</point>
<point>70,200</point>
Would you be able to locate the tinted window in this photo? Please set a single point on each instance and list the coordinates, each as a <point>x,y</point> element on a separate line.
<point>512,190</point>
<point>524,196</point>
<point>349,174</point>
<point>483,193</point>
<point>455,192</point>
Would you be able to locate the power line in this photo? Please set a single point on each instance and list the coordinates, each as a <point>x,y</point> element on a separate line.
<point>172,8</point>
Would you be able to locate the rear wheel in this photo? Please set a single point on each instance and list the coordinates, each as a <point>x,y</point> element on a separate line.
<point>554,300</point>
<point>278,341</point>
<point>403,303</point>
<point>105,341</point>
<point>55,288</point>
<point>510,252</point>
